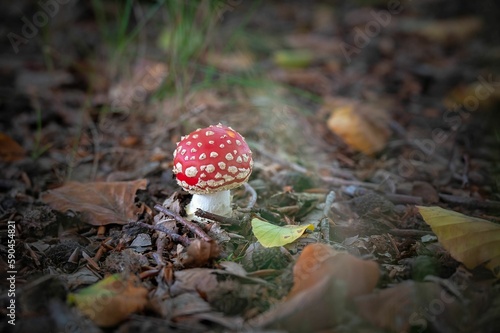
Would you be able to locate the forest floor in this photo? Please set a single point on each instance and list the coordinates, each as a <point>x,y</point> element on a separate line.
<point>374,133</point>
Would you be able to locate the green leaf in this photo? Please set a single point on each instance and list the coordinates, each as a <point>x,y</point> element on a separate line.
<point>111,300</point>
<point>470,240</point>
<point>293,58</point>
<point>270,235</point>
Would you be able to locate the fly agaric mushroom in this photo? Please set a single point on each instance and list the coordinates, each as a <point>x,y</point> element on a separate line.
<point>208,163</point>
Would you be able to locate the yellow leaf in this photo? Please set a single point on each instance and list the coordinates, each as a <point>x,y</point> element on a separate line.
<point>111,300</point>
<point>363,127</point>
<point>470,240</point>
<point>270,235</point>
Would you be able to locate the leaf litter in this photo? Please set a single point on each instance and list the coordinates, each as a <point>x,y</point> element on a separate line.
<point>349,143</point>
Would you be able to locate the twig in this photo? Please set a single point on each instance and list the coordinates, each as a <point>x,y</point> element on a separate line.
<point>190,225</point>
<point>339,182</point>
<point>470,202</point>
<point>176,237</point>
<point>403,199</point>
<point>217,218</point>
<point>409,233</point>
<point>253,195</point>
<point>329,200</point>
<point>465,177</point>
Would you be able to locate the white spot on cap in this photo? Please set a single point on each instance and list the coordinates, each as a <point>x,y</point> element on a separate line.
<point>243,174</point>
<point>202,156</point>
<point>232,169</point>
<point>192,158</point>
<point>235,152</point>
<point>238,142</point>
<point>228,142</point>
<point>208,133</point>
<point>210,168</point>
<point>195,136</point>
<point>178,167</point>
<point>193,150</point>
<point>183,151</point>
<point>245,157</point>
<point>229,157</point>
<point>214,154</point>
<point>191,172</point>
<point>188,143</point>
<point>211,142</point>
<point>202,167</point>
<point>222,165</point>
<point>186,158</point>
<point>218,175</point>
<point>221,145</point>
<point>239,159</point>
<point>213,183</point>
<point>203,175</point>
<point>199,144</point>
<point>228,178</point>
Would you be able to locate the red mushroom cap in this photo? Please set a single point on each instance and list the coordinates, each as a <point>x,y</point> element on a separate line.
<point>212,159</point>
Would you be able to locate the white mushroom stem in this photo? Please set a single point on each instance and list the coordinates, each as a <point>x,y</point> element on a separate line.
<point>217,203</point>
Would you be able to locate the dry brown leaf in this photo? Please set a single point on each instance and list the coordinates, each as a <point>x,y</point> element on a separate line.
<point>100,203</point>
<point>425,306</point>
<point>10,150</point>
<point>324,280</point>
<point>200,253</point>
<point>318,260</point>
<point>310,79</point>
<point>230,62</point>
<point>363,127</point>
<point>426,191</point>
<point>479,95</point>
<point>320,308</point>
<point>453,30</point>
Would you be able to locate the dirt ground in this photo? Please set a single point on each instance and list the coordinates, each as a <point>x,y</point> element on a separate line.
<point>374,135</point>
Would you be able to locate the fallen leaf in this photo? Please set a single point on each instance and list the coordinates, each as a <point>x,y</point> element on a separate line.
<point>421,306</point>
<point>320,308</point>
<point>200,253</point>
<point>233,62</point>
<point>310,79</point>
<point>270,235</point>
<point>426,191</point>
<point>461,96</point>
<point>470,240</point>
<point>100,203</point>
<point>452,30</point>
<point>318,260</point>
<point>293,58</point>
<point>363,127</point>
<point>10,150</point>
<point>111,300</point>
<point>324,281</point>
<point>200,280</point>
